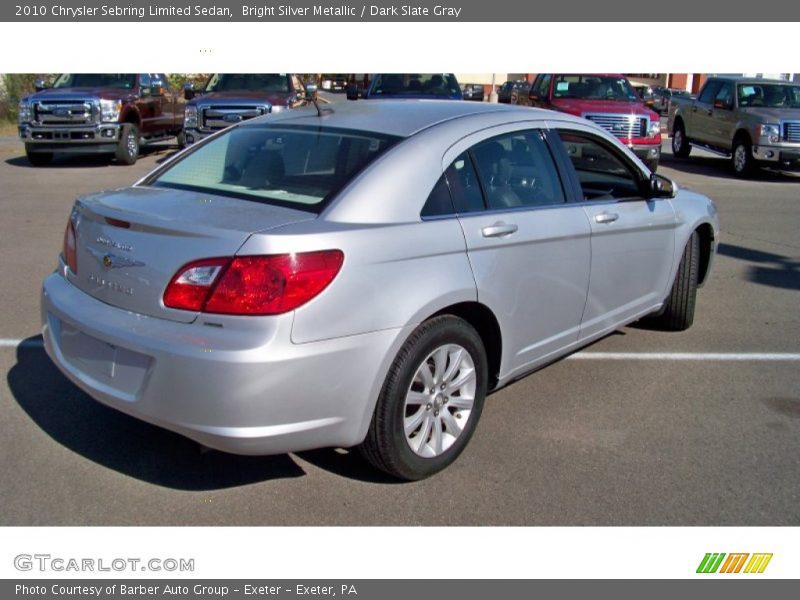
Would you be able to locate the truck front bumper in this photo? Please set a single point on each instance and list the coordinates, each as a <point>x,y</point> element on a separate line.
<point>784,153</point>
<point>89,139</point>
<point>647,152</point>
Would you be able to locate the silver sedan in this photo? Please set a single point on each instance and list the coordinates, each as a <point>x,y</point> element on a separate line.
<point>364,276</point>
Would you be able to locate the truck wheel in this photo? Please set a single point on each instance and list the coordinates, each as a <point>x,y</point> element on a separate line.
<point>181,138</point>
<point>680,145</point>
<point>742,157</point>
<point>38,159</point>
<point>678,311</point>
<point>128,146</point>
<point>430,402</point>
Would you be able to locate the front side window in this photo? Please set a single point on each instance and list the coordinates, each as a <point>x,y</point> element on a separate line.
<point>602,173</point>
<point>290,166</point>
<point>517,170</point>
<point>543,85</point>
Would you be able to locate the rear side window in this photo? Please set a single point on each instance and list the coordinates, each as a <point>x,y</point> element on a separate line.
<point>439,202</point>
<point>517,170</point>
<point>289,166</point>
<point>709,92</point>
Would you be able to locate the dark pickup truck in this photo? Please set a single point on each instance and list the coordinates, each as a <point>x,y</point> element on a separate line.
<point>229,98</point>
<point>100,113</point>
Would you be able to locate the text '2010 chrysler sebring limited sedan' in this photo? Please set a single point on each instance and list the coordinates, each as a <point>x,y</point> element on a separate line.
<point>364,276</point>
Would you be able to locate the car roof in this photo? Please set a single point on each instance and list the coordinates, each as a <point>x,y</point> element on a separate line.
<point>754,80</point>
<point>402,118</point>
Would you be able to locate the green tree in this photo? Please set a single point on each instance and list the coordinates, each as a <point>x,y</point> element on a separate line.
<point>16,86</point>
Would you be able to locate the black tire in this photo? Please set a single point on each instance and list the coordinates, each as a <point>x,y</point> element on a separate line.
<point>742,161</point>
<point>128,145</point>
<point>386,446</point>
<point>652,165</point>
<point>38,159</point>
<point>678,311</point>
<point>181,139</point>
<point>680,145</point>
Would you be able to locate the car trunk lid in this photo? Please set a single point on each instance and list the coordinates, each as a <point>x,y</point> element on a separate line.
<point>130,242</point>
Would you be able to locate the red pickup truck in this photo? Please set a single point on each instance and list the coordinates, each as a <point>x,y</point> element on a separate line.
<point>608,100</point>
<point>99,113</point>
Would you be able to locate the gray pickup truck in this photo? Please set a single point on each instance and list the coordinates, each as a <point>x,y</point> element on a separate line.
<point>755,122</point>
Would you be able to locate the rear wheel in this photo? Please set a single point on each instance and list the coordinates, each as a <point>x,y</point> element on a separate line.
<point>128,145</point>
<point>680,145</point>
<point>38,159</point>
<point>430,402</point>
<point>678,312</point>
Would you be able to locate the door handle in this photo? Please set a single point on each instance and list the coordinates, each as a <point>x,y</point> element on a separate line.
<point>499,229</point>
<point>606,217</point>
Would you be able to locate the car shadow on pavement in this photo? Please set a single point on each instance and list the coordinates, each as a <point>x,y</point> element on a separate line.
<point>773,270</point>
<point>125,444</point>
<point>347,463</point>
<point>92,161</point>
<point>714,166</point>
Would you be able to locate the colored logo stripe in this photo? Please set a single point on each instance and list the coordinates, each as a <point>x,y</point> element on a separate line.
<point>733,564</point>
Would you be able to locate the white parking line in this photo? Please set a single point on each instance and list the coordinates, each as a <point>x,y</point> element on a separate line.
<point>676,356</point>
<point>709,356</point>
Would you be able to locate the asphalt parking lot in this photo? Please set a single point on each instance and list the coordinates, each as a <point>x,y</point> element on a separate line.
<point>694,428</point>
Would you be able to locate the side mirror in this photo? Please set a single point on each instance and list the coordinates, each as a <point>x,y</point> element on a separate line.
<point>39,85</point>
<point>534,97</point>
<point>311,90</point>
<point>722,104</point>
<point>188,91</point>
<point>352,92</point>
<point>157,89</point>
<point>662,187</point>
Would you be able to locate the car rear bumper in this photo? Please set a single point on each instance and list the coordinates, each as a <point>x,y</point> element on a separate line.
<point>246,391</point>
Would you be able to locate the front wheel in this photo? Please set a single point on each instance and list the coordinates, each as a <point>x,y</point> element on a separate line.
<point>128,145</point>
<point>38,159</point>
<point>678,311</point>
<point>430,402</point>
<point>680,145</point>
<point>742,157</point>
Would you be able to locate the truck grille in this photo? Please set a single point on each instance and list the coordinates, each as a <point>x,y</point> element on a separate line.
<point>624,126</point>
<point>791,131</point>
<point>62,112</point>
<point>220,117</point>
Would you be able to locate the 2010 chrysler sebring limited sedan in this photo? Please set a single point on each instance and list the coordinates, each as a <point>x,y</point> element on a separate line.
<point>364,277</point>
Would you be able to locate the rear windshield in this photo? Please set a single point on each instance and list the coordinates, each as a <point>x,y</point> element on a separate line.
<point>264,82</point>
<point>416,84</point>
<point>298,167</point>
<point>594,87</point>
<point>96,80</point>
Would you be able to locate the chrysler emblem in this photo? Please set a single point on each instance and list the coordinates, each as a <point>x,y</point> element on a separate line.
<point>113,261</point>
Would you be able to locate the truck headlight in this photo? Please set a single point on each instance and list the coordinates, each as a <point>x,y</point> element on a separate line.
<point>655,128</point>
<point>190,117</point>
<point>109,110</point>
<point>24,112</point>
<point>768,130</point>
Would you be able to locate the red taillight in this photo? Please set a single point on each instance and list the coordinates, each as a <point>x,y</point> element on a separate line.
<point>253,285</point>
<point>70,247</point>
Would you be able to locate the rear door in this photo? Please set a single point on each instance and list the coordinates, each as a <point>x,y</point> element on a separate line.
<point>702,125</point>
<point>632,242</point>
<point>529,247</point>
